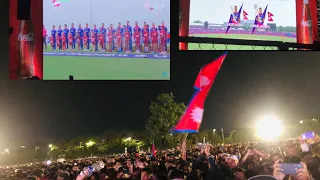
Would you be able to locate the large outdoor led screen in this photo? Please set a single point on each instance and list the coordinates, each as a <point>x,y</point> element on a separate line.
<point>271,20</point>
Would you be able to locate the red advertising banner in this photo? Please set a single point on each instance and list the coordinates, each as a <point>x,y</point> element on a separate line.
<point>184,21</point>
<point>26,42</point>
<point>307,28</point>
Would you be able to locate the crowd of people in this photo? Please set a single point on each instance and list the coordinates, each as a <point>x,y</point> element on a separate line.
<point>146,39</point>
<point>202,162</point>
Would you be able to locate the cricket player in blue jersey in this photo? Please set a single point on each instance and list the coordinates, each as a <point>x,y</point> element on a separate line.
<point>103,30</point>
<point>260,17</point>
<point>66,33</point>
<point>59,32</point>
<point>113,32</point>
<point>80,32</point>
<point>53,35</point>
<point>165,30</point>
<point>130,31</point>
<point>73,33</point>
<point>87,31</point>
<point>122,35</point>
<point>235,15</point>
<point>95,33</point>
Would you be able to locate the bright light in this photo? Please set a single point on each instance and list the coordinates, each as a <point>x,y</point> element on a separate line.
<point>128,139</point>
<point>301,122</point>
<point>90,143</point>
<point>214,130</point>
<point>23,146</point>
<point>269,128</point>
<point>48,162</point>
<point>6,150</point>
<point>50,145</point>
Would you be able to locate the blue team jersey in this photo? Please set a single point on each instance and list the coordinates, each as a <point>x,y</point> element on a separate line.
<point>73,31</point>
<point>121,30</point>
<point>53,32</point>
<point>95,32</point>
<point>103,30</point>
<point>129,29</point>
<point>80,31</point>
<point>66,31</point>
<point>137,28</point>
<point>153,29</point>
<point>87,31</point>
<point>236,16</point>
<point>59,31</point>
<point>143,29</point>
<point>260,17</point>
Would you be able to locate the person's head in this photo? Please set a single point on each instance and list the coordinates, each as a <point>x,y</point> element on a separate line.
<point>111,25</point>
<point>119,24</point>
<point>53,26</point>
<point>235,8</point>
<point>136,23</point>
<point>239,174</point>
<point>79,25</point>
<point>232,161</point>
<point>153,24</point>
<point>145,174</point>
<point>65,25</point>
<point>59,26</point>
<point>292,150</point>
<point>162,23</point>
<point>260,10</point>
<point>176,174</point>
<point>102,24</point>
<point>72,25</point>
<point>307,158</point>
<point>87,25</point>
<point>94,26</point>
<point>275,157</point>
<point>62,176</point>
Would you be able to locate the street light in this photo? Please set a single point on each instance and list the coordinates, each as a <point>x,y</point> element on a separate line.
<point>90,143</point>
<point>214,131</point>
<point>301,121</point>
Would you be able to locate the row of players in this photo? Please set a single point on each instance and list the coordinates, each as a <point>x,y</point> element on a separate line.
<point>121,37</point>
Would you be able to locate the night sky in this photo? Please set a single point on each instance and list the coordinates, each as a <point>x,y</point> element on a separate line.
<point>249,84</point>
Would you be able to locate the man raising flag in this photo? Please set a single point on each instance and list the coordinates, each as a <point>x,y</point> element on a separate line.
<point>66,33</point>
<point>73,33</point>
<point>80,33</point>
<point>130,32</point>
<point>87,32</point>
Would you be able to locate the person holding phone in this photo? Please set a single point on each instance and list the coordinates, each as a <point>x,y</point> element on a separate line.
<point>300,174</point>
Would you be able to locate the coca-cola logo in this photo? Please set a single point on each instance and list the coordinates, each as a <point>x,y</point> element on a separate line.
<point>25,37</point>
<point>306,23</point>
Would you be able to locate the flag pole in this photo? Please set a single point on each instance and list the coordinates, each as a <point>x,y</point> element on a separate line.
<point>184,147</point>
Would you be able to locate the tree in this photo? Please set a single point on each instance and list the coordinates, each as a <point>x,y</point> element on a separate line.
<point>197,21</point>
<point>165,113</point>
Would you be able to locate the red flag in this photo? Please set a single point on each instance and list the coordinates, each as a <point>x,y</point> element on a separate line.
<point>270,15</point>
<point>245,14</point>
<point>153,150</point>
<point>208,74</point>
<point>191,120</point>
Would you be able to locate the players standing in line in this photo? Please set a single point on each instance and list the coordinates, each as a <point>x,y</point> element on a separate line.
<point>87,33</point>
<point>145,33</point>
<point>260,17</point>
<point>120,34</point>
<point>64,42</point>
<point>80,32</point>
<point>127,36</point>
<point>102,41</point>
<point>58,41</point>
<point>137,37</point>
<point>53,36</point>
<point>73,33</point>
<point>154,38</point>
<point>66,33</point>
<point>111,37</point>
<point>70,41</point>
<point>118,39</point>
<point>95,35</point>
<point>59,32</point>
<point>165,30</point>
<point>103,31</point>
<point>162,41</point>
<point>130,31</point>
